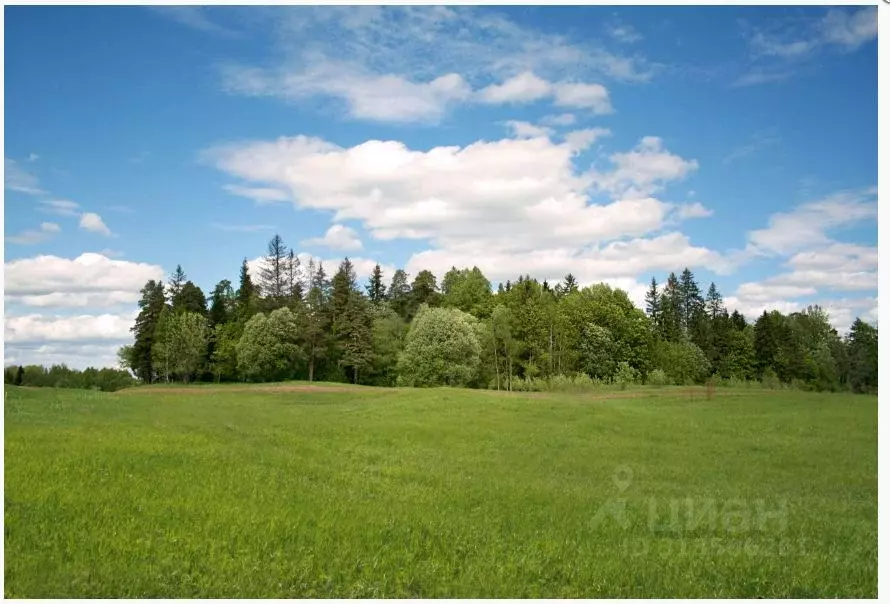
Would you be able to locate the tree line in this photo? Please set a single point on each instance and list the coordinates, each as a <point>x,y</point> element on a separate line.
<point>61,376</point>
<point>293,321</point>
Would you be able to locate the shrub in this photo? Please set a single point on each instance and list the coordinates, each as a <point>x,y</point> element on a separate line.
<point>770,380</point>
<point>657,377</point>
<point>625,375</point>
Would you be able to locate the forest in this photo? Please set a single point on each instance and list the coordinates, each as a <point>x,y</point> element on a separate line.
<point>294,321</point>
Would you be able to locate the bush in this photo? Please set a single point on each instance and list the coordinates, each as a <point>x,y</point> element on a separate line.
<point>657,377</point>
<point>441,349</point>
<point>770,380</point>
<point>625,375</point>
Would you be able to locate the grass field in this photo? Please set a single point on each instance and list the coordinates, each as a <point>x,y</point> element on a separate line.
<point>354,492</point>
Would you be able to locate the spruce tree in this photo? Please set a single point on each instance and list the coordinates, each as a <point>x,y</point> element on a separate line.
<point>376,289</point>
<point>177,280</point>
<point>570,284</point>
<point>274,274</point>
<point>653,301</point>
<point>247,292</point>
<point>399,293</point>
<point>151,305</point>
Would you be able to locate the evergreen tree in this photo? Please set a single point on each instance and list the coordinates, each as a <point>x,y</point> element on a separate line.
<point>862,346</point>
<point>318,319</point>
<point>691,302</point>
<point>653,302</point>
<point>294,291</point>
<point>151,305</point>
<point>177,280</point>
<point>350,321</point>
<point>222,304</point>
<point>400,293</point>
<point>190,298</point>
<point>247,292</point>
<point>423,291</point>
<point>738,321</point>
<point>670,309</point>
<point>376,288</point>
<point>714,303</point>
<point>569,285</point>
<point>274,274</point>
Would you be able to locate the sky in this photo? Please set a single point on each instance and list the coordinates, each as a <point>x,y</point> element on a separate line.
<point>615,143</point>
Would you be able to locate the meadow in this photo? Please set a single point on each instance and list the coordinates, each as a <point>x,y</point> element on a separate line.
<point>289,491</point>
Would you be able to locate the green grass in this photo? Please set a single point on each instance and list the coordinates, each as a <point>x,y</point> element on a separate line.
<point>228,492</point>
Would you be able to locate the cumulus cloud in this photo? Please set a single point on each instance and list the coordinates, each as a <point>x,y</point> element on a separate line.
<point>65,328</point>
<point>337,237</point>
<point>562,119</point>
<point>90,221</point>
<point>644,170</point>
<point>579,140</point>
<point>522,129</point>
<point>72,354</point>
<point>527,87</point>
<point>513,205</point>
<point>520,88</point>
<point>55,281</point>
<point>693,210</point>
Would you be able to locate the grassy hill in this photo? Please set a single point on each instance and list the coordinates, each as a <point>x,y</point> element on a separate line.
<point>289,491</point>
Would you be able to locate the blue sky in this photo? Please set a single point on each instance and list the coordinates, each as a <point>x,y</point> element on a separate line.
<point>615,143</point>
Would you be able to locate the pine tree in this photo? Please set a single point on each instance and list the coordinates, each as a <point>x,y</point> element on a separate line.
<point>423,291</point>
<point>189,299</point>
<point>177,280</point>
<point>318,317</point>
<point>400,293</point>
<point>570,284</point>
<point>670,310</point>
<point>151,305</point>
<point>273,274</point>
<point>714,303</point>
<point>221,304</point>
<point>691,302</point>
<point>653,302</point>
<point>376,288</point>
<point>247,292</point>
<point>294,280</point>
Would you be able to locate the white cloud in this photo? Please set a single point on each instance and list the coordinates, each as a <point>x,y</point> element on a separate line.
<point>807,224</point>
<point>850,29</point>
<point>527,130</point>
<point>62,207</point>
<point>509,206</point>
<point>589,96</point>
<point>87,274</point>
<point>80,328</point>
<point>758,298</point>
<point>580,140</point>
<point>562,119</point>
<point>16,178</point>
<point>378,60</point>
<point>644,170</point>
<point>779,51</point>
<point>33,157</point>
<point>194,17</point>
<point>625,33</point>
<point>527,87</point>
<point>693,210</point>
<point>90,221</point>
<point>389,97</point>
<point>74,355</point>
<point>337,237</point>
<point>29,237</point>
<point>261,195</point>
<point>520,88</point>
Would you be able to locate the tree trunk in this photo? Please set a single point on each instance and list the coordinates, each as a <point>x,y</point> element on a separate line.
<point>497,369</point>
<point>355,374</point>
<point>311,367</point>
